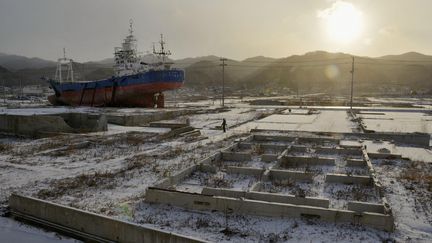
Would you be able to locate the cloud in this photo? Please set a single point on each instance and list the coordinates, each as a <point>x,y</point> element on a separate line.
<point>388,30</point>
<point>335,7</point>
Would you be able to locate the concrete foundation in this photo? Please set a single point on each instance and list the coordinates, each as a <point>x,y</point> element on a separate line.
<point>340,151</point>
<point>255,201</point>
<point>356,162</point>
<point>290,161</point>
<point>384,156</point>
<point>142,119</point>
<point>366,207</point>
<point>267,197</point>
<point>245,171</point>
<point>88,223</point>
<point>264,146</point>
<point>48,125</point>
<point>236,156</point>
<point>418,139</point>
<point>172,125</point>
<point>284,175</point>
<point>194,201</point>
<point>269,157</point>
<point>348,179</point>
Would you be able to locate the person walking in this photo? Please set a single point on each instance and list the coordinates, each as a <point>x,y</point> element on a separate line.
<point>224,124</point>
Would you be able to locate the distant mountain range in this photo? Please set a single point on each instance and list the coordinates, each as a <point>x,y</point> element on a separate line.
<point>317,71</point>
<point>14,62</point>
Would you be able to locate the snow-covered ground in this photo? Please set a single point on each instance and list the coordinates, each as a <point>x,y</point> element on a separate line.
<point>398,121</point>
<point>13,231</point>
<point>109,172</point>
<point>324,121</point>
<point>409,152</point>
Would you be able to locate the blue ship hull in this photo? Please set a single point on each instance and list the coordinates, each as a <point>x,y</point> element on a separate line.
<point>132,90</point>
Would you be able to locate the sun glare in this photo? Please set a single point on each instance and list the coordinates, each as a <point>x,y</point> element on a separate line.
<point>344,23</point>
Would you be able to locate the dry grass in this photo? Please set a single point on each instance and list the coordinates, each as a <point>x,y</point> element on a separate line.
<point>257,149</point>
<point>65,186</point>
<point>105,180</point>
<point>175,152</point>
<point>5,147</point>
<point>218,181</point>
<point>418,173</point>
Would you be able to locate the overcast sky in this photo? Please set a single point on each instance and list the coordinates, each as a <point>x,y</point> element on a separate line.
<point>90,29</point>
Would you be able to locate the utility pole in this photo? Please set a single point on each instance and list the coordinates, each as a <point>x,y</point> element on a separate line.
<point>223,80</point>
<point>4,91</point>
<point>21,89</point>
<point>352,83</point>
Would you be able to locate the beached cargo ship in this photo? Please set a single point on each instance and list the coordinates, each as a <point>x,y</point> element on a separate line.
<point>135,84</point>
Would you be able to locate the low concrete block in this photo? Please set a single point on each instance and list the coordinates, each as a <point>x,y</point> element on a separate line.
<point>182,175</point>
<point>318,140</point>
<point>244,145</point>
<point>207,168</point>
<point>356,162</point>
<point>419,139</point>
<point>209,191</point>
<point>263,146</point>
<point>384,156</point>
<point>277,138</point>
<point>172,125</point>
<point>212,159</point>
<point>232,148</point>
<point>236,156</point>
<point>366,207</point>
<point>142,119</point>
<point>281,175</point>
<point>298,148</point>
<point>342,151</point>
<point>269,157</point>
<point>176,132</point>
<point>348,179</point>
<point>245,171</point>
<point>291,161</point>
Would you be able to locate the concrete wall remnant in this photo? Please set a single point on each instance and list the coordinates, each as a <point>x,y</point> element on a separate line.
<point>236,156</point>
<point>245,171</point>
<point>89,223</point>
<point>142,119</point>
<point>269,157</point>
<point>366,207</point>
<point>289,161</point>
<point>342,151</point>
<point>356,162</point>
<point>195,201</point>
<point>268,197</point>
<point>348,179</point>
<point>418,139</point>
<point>48,125</point>
<point>284,175</point>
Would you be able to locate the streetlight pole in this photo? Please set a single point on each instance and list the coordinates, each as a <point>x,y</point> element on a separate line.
<point>352,83</point>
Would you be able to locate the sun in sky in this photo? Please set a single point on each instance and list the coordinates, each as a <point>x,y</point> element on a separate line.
<point>343,22</point>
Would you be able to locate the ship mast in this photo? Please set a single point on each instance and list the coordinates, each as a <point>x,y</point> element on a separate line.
<point>162,53</point>
<point>67,63</point>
